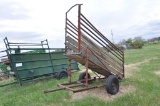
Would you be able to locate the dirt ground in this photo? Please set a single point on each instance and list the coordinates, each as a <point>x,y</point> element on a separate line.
<point>130,68</point>
<point>102,94</point>
<point>3,77</point>
<point>157,72</point>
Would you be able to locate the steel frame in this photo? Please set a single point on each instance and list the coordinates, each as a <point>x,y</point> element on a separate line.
<point>72,84</point>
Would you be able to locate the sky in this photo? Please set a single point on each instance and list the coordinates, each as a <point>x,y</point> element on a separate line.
<point>36,20</point>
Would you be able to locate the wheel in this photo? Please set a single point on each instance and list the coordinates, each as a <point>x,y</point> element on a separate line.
<point>83,76</point>
<point>112,85</point>
<point>61,74</point>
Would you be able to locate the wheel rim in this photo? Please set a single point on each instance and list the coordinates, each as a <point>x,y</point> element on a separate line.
<point>114,86</point>
<point>63,75</point>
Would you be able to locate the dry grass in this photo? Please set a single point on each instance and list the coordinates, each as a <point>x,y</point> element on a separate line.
<point>130,68</point>
<point>102,94</point>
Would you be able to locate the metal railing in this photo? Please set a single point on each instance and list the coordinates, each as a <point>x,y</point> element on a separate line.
<point>86,30</point>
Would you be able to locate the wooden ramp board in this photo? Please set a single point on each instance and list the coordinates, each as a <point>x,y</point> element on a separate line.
<point>94,67</point>
<point>92,59</point>
<point>99,60</point>
<point>98,51</point>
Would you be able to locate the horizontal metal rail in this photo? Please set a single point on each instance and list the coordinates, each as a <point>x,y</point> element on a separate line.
<point>42,67</point>
<point>8,84</point>
<point>3,56</point>
<point>101,44</point>
<point>3,51</point>
<point>26,43</point>
<point>98,38</point>
<point>103,36</point>
<point>22,61</point>
<point>89,30</point>
<point>36,48</point>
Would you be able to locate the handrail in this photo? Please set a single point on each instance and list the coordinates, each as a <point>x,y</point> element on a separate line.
<point>72,7</point>
<point>99,39</point>
<point>66,22</point>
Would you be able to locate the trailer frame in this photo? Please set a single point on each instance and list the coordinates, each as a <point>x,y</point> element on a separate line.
<point>88,46</point>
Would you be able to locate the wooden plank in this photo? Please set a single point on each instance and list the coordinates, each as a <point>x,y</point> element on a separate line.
<point>103,55</point>
<point>102,58</point>
<point>91,43</point>
<point>70,46</point>
<point>81,59</point>
<point>109,68</point>
<point>94,60</point>
<point>91,64</point>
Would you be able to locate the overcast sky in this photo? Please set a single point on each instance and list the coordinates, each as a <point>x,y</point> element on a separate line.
<point>36,20</point>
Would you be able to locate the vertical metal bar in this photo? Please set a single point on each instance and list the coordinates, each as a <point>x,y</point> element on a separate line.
<point>42,44</point>
<point>79,28</point>
<point>65,33</point>
<point>86,66</point>
<point>12,65</point>
<point>123,64</point>
<point>69,71</point>
<point>50,55</point>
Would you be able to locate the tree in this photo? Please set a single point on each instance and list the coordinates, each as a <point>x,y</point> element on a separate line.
<point>129,41</point>
<point>138,42</point>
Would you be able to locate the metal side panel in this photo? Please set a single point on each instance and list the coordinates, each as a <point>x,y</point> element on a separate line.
<point>33,65</point>
<point>31,73</point>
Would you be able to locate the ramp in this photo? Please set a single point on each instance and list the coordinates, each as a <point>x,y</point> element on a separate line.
<point>103,56</point>
<point>88,46</point>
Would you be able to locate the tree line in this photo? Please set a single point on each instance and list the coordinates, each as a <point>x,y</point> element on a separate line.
<point>138,42</point>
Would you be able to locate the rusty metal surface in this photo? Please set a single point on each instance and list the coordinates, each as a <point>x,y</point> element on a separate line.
<point>79,28</point>
<point>72,86</point>
<point>86,65</point>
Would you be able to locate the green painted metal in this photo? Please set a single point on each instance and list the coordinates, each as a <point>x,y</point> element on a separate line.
<point>38,64</point>
<point>29,61</point>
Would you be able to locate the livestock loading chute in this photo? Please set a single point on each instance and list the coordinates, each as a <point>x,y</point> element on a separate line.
<point>88,46</point>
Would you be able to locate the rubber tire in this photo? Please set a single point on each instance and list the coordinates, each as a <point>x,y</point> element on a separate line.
<point>83,75</point>
<point>61,74</point>
<point>112,85</point>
